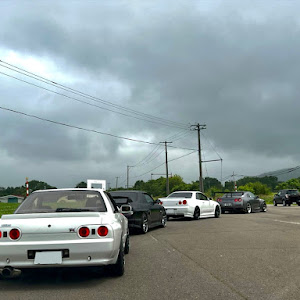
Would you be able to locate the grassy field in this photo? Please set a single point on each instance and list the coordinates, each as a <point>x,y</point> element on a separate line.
<point>8,208</point>
<point>267,198</point>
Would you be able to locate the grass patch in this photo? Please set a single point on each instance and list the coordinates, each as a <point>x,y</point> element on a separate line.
<point>8,208</point>
<point>267,198</point>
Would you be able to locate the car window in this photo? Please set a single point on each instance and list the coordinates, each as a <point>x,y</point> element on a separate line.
<point>198,196</point>
<point>148,198</point>
<point>233,194</point>
<point>251,195</point>
<point>292,192</point>
<point>203,197</point>
<point>180,195</point>
<point>130,196</point>
<point>62,201</point>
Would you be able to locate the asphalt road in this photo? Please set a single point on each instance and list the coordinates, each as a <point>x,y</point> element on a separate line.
<point>238,256</point>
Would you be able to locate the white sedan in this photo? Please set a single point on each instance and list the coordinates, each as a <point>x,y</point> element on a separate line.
<point>64,228</point>
<point>191,204</point>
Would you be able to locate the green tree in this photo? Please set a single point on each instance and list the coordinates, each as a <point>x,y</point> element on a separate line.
<point>81,184</point>
<point>293,183</point>
<point>256,188</point>
<point>210,182</point>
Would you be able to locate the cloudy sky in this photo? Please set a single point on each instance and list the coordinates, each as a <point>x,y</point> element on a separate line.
<point>127,75</point>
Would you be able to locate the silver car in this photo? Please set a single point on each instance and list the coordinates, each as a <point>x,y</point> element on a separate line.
<point>64,228</point>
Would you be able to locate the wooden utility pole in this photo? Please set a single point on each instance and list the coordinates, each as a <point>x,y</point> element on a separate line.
<point>199,127</point>
<point>117,181</point>
<point>167,171</point>
<point>128,177</point>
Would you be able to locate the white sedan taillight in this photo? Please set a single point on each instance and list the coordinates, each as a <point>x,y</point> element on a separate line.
<point>15,234</point>
<point>84,232</point>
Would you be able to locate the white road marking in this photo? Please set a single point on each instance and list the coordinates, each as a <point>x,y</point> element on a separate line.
<point>295,223</point>
<point>154,238</point>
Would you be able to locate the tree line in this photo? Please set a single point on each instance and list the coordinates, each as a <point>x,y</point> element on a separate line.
<point>157,187</point>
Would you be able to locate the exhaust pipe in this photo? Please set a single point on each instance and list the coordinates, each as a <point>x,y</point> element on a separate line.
<point>9,272</point>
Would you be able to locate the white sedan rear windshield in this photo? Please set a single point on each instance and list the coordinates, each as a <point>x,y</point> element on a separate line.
<point>62,201</point>
<point>180,195</point>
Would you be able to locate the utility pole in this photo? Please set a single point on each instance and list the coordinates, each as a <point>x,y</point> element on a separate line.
<point>128,175</point>
<point>234,181</point>
<point>199,127</point>
<point>117,181</point>
<point>167,172</point>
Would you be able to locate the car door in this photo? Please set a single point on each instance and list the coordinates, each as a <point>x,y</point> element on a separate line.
<point>254,200</point>
<point>277,198</point>
<point>207,203</point>
<point>153,207</point>
<point>203,203</point>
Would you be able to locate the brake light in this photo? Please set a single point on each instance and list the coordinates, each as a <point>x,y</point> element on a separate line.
<point>0,234</point>
<point>14,234</point>
<point>161,203</point>
<point>184,202</point>
<point>238,200</point>
<point>84,232</point>
<point>219,200</point>
<point>179,202</point>
<point>102,231</point>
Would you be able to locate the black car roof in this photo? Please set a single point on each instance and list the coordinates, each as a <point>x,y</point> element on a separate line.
<point>127,191</point>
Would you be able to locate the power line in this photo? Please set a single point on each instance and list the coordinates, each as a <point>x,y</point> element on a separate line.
<point>164,163</point>
<point>84,129</point>
<point>211,144</point>
<point>154,119</point>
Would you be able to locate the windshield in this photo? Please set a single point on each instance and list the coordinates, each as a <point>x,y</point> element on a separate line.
<point>62,201</point>
<point>124,197</point>
<point>180,195</point>
<point>293,192</point>
<point>233,194</point>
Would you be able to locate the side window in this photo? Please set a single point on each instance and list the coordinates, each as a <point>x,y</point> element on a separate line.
<point>203,197</point>
<point>198,197</point>
<point>251,195</point>
<point>148,199</point>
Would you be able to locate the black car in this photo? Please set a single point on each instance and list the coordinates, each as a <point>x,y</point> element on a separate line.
<point>287,197</point>
<point>147,213</point>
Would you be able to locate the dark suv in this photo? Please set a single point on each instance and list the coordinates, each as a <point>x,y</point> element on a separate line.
<point>287,197</point>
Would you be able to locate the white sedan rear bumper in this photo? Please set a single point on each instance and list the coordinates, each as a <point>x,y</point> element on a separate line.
<point>184,211</point>
<point>84,252</point>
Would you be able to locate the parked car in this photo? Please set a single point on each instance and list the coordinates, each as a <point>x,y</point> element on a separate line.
<point>147,213</point>
<point>242,201</point>
<point>191,204</point>
<point>287,197</point>
<point>86,230</point>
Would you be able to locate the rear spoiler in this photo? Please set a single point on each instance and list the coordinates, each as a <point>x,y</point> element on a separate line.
<point>214,193</point>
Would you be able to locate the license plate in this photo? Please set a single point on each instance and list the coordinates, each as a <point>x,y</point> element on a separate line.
<point>48,258</point>
<point>228,204</point>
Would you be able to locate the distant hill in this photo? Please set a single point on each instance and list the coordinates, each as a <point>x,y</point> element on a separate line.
<point>284,174</point>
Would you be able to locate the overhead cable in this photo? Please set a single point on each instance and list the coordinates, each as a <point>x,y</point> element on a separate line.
<point>85,129</point>
<point>151,118</point>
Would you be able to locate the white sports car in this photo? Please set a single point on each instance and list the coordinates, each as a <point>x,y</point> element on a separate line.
<point>64,228</point>
<point>192,204</point>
